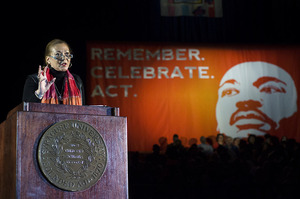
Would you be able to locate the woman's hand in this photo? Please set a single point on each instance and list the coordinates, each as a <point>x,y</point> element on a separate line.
<point>44,84</point>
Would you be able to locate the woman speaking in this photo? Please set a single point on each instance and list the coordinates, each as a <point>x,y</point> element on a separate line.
<point>54,84</point>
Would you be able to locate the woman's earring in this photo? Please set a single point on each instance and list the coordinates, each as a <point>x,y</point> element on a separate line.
<point>70,65</point>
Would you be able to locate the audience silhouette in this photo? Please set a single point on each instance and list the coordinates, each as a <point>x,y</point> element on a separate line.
<point>258,167</point>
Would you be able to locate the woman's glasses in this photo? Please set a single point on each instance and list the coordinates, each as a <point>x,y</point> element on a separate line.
<point>61,56</point>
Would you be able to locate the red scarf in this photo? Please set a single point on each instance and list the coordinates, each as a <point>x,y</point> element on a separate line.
<point>71,95</point>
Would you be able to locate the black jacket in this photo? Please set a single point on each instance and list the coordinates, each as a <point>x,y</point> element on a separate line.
<point>31,85</point>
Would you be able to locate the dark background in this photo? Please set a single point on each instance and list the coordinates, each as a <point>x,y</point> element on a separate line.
<point>27,28</point>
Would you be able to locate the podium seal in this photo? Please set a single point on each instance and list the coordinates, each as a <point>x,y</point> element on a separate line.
<point>72,155</point>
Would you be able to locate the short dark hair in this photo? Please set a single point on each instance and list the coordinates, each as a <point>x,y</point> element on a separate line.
<point>218,135</point>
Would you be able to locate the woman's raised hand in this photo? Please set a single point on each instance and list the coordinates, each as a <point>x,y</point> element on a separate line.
<point>44,84</point>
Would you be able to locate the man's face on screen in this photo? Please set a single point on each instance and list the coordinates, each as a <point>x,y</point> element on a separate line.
<point>253,98</point>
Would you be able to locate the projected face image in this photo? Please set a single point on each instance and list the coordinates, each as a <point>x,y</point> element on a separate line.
<point>253,98</point>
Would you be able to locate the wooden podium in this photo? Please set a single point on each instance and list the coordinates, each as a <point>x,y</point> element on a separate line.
<point>20,133</point>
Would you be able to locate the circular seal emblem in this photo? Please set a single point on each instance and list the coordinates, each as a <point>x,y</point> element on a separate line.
<point>72,155</point>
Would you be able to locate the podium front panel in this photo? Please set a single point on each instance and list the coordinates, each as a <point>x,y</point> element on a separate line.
<point>30,181</point>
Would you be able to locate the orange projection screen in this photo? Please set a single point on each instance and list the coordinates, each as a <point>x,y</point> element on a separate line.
<point>194,90</point>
